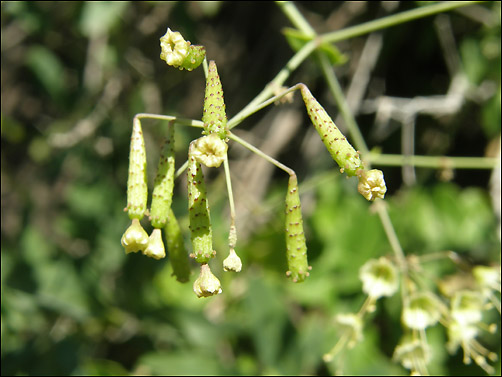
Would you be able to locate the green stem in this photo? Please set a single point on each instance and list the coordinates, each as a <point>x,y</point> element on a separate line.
<point>181,169</point>
<point>348,117</point>
<point>253,149</point>
<point>181,121</point>
<point>336,36</point>
<point>296,18</point>
<point>282,76</point>
<point>229,189</point>
<point>392,20</point>
<point>433,162</point>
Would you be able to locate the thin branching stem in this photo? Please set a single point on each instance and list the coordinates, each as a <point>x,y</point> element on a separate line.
<point>253,149</point>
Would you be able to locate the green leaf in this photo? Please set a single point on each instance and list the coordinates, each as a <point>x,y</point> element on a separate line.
<point>47,68</point>
<point>297,40</point>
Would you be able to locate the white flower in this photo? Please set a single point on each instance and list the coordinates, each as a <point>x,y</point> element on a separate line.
<point>210,150</point>
<point>422,310</point>
<point>353,324</point>
<point>134,238</point>
<point>379,278</point>
<point>155,248</point>
<point>232,262</point>
<point>487,277</point>
<point>414,355</point>
<point>467,307</point>
<point>206,284</point>
<point>464,335</point>
<point>174,48</point>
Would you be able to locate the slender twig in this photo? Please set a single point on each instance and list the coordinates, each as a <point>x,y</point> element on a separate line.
<point>181,121</point>
<point>253,149</point>
<point>282,76</point>
<point>433,162</point>
<point>393,20</point>
<point>229,189</point>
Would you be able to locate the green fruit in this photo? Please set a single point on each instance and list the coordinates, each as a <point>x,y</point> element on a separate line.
<point>296,248</point>
<point>164,182</point>
<point>198,208</point>
<point>337,144</point>
<point>137,189</point>
<point>176,249</point>
<point>214,116</point>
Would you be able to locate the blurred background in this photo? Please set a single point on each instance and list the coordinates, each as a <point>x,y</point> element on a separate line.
<point>73,76</point>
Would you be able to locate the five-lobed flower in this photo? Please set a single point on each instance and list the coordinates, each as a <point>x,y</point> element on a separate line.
<point>379,277</point>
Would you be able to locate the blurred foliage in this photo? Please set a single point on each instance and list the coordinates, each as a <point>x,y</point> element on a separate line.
<point>73,76</point>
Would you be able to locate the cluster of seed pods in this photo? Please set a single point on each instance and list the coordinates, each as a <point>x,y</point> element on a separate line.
<point>210,150</point>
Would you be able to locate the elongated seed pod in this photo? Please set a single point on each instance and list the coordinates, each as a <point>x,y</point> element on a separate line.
<point>137,189</point>
<point>337,144</point>
<point>176,249</point>
<point>198,209</point>
<point>214,116</point>
<point>164,182</point>
<point>296,248</point>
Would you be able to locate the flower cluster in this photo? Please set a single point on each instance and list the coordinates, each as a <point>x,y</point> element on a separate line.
<point>458,309</point>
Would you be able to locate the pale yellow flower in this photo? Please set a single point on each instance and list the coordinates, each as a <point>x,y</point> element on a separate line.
<point>155,247</point>
<point>135,237</point>
<point>206,284</point>
<point>232,262</point>
<point>372,184</point>
<point>210,150</point>
<point>174,48</point>
<point>379,277</point>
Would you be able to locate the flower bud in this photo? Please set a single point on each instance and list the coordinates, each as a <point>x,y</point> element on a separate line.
<point>206,284</point>
<point>155,247</point>
<point>372,184</point>
<point>135,238</point>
